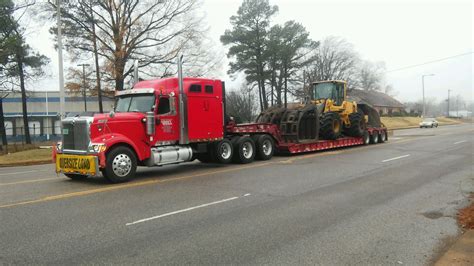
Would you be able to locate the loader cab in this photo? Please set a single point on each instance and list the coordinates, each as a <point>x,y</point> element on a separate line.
<point>334,90</point>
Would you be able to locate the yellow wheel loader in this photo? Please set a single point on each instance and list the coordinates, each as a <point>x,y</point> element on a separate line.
<point>337,115</point>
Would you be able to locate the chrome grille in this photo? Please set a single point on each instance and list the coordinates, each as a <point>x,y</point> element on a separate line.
<point>76,135</point>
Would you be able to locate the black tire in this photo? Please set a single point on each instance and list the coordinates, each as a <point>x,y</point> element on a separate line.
<point>331,126</point>
<point>382,137</point>
<point>244,150</point>
<point>222,151</point>
<point>357,126</point>
<point>265,147</point>
<point>374,138</point>
<point>121,165</point>
<point>366,138</point>
<point>76,176</point>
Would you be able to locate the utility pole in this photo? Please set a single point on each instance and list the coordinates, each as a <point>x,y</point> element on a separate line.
<point>84,84</point>
<point>449,91</point>
<point>423,86</point>
<point>60,63</point>
<point>96,57</point>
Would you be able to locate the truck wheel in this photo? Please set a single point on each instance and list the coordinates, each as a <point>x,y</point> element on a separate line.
<point>244,150</point>
<point>265,147</point>
<point>357,127</point>
<point>76,176</point>
<point>374,138</point>
<point>222,151</point>
<point>382,137</point>
<point>121,165</point>
<point>330,125</point>
<point>366,138</point>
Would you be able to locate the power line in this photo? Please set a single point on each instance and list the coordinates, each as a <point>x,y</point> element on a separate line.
<point>429,62</point>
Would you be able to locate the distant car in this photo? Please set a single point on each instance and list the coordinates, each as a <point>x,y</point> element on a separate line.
<point>429,122</point>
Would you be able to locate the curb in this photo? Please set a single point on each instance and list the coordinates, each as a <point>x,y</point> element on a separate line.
<point>461,252</point>
<point>49,161</point>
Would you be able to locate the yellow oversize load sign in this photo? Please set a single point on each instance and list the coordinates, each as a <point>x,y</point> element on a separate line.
<point>84,164</point>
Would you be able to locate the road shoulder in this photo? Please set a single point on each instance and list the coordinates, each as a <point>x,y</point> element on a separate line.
<point>461,252</point>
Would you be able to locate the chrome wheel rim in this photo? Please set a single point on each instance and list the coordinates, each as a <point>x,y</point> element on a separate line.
<point>267,147</point>
<point>247,150</point>
<point>366,138</point>
<point>122,165</point>
<point>225,150</point>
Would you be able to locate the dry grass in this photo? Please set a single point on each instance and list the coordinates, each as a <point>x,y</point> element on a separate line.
<point>26,157</point>
<point>406,122</point>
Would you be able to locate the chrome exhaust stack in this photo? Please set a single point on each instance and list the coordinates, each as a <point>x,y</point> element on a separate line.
<point>183,106</point>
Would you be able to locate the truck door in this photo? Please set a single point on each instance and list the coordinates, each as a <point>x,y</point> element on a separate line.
<point>167,126</point>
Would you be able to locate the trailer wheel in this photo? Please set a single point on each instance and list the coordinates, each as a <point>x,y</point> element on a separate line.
<point>222,151</point>
<point>76,176</point>
<point>121,165</point>
<point>366,137</point>
<point>331,125</point>
<point>244,150</point>
<point>374,138</point>
<point>382,137</point>
<point>265,147</point>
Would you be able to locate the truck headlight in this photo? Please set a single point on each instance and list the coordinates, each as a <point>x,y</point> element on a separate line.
<point>97,147</point>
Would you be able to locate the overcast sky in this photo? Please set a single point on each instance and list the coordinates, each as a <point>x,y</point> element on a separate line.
<point>400,33</point>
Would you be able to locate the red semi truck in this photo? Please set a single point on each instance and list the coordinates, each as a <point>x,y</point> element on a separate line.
<point>170,121</point>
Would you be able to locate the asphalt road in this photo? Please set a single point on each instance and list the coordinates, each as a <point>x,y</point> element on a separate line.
<point>389,203</point>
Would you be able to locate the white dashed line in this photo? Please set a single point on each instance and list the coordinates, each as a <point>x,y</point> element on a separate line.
<point>459,142</point>
<point>396,158</point>
<point>185,210</point>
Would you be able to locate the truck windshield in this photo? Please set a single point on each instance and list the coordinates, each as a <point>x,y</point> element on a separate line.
<point>135,103</point>
<point>324,91</point>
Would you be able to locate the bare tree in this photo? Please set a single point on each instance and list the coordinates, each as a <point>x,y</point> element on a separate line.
<point>152,32</point>
<point>371,76</point>
<point>335,59</point>
<point>241,104</point>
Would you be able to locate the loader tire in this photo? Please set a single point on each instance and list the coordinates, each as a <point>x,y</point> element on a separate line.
<point>331,126</point>
<point>357,126</point>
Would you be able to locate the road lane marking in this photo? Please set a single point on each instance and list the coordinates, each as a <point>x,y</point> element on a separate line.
<point>25,172</point>
<point>185,210</point>
<point>459,142</point>
<point>395,158</point>
<point>128,185</point>
<point>29,181</point>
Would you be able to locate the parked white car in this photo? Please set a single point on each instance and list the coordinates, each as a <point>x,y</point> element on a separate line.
<point>429,122</point>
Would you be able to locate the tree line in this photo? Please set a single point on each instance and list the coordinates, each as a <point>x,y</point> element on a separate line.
<point>282,60</point>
